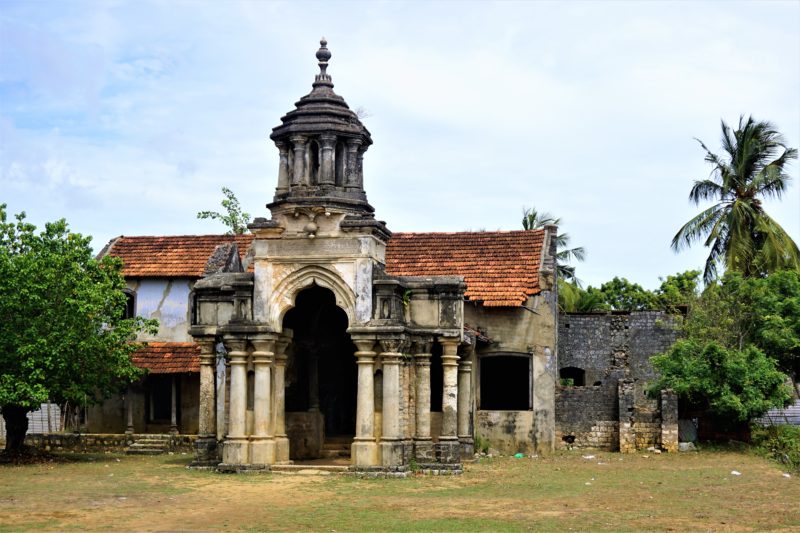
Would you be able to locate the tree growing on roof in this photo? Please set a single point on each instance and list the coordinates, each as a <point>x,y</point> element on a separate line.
<point>234,218</point>
<point>743,238</point>
<point>63,334</point>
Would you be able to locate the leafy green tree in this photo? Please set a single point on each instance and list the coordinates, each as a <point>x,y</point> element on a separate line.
<point>764,312</point>
<point>62,332</point>
<point>574,299</point>
<point>679,290</point>
<point>619,294</point>
<point>234,218</point>
<point>732,385</point>
<point>741,235</point>
<point>532,219</point>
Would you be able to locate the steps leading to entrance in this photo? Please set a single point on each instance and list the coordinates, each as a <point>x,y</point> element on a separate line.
<point>336,447</point>
<point>297,468</point>
<point>150,445</point>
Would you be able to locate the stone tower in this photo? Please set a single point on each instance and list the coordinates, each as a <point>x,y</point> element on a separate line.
<point>322,144</point>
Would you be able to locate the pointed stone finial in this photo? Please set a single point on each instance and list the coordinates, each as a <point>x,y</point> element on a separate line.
<point>323,55</point>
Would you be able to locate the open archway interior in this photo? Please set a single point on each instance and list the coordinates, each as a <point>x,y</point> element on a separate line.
<point>321,372</point>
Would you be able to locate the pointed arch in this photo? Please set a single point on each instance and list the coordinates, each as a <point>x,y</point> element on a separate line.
<point>285,292</point>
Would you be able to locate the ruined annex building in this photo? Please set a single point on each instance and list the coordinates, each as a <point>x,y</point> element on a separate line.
<point>322,334</point>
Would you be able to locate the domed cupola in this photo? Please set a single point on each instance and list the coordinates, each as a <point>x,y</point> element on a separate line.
<point>321,143</point>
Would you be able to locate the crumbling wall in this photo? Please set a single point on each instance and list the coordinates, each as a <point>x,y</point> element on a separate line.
<point>612,411</point>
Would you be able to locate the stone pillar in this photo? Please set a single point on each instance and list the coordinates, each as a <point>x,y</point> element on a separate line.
<point>627,432</point>
<point>129,411</point>
<point>353,146</point>
<point>283,166</point>
<point>327,174</point>
<point>464,405</point>
<point>449,389</point>
<point>449,449</point>
<point>423,447</point>
<point>235,451</point>
<point>364,449</point>
<point>669,420</point>
<point>262,442</point>
<point>206,444</point>
<point>299,143</point>
<point>359,181</point>
<point>391,445</point>
<point>173,414</point>
<point>279,402</point>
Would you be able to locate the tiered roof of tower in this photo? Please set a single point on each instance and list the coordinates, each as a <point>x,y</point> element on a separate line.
<point>321,144</point>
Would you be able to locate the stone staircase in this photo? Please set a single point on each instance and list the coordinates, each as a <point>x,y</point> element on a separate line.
<point>150,445</point>
<point>336,447</point>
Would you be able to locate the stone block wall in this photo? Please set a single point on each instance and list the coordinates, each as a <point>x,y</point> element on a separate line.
<point>614,350</point>
<point>98,442</point>
<point>588,415</point>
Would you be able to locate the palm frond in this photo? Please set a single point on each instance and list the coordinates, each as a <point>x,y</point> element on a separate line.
<point>697,227</point>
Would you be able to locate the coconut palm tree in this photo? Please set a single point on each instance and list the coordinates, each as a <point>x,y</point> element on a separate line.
<point>532,219</point>
<point>742,236</point>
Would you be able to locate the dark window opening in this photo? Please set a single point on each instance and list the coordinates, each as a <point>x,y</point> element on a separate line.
<point>130,305</point>
<point>437,375</point>
<point>340,164</point>
<point>505,383</point>
<point>572,376</point>
<point>313,162</point>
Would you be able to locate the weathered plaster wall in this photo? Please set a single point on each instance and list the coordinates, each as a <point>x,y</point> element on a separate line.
<point>167,300</point>
<point>521,330</point>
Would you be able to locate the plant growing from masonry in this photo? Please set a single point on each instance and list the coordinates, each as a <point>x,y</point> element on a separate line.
<point>741,236</point>
<point>234,218</point>
<point>63,335</point>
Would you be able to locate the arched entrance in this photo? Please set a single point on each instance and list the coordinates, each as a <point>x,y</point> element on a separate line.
<point>321,380</point>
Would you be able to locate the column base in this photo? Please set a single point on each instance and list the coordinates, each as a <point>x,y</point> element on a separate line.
<point>205,452</point>
<point>448,451</point>
<point>424,451</point>
<point>467,447</point>
<point>282,449</point>
<point>391,453</point>
<point>262,451</point>
<point>364,453</point>
<point>235,451</point>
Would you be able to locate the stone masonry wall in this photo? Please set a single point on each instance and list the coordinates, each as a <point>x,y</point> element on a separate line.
<point>612,411</point>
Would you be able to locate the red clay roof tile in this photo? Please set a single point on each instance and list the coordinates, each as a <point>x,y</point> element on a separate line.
<point>168,357</point>
<point>501,268</point>
<point>171,256</point>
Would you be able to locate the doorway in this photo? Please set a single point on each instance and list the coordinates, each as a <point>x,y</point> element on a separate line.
<point>321,373</point>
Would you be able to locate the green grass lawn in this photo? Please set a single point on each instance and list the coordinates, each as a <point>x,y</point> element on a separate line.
<point>565,492</point>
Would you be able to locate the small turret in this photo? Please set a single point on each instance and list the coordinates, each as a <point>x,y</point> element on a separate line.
<point>321,143</point>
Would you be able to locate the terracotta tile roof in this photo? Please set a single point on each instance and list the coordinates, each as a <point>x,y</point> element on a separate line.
<point>171,256</point>
<point>168,357</point>
<point>501,268</point>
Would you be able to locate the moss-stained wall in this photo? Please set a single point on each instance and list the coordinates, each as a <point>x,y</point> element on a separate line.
<point>529,331</point>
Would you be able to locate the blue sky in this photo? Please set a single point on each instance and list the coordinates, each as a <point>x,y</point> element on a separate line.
<point>128,117</point>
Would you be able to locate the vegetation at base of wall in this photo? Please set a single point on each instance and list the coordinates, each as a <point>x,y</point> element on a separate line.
<point>778,442</point>
<point>234,218</point>
<point>63,335</point>
<point>481,444</point>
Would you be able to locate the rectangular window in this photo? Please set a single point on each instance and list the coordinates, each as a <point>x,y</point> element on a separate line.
<point>505,383</point>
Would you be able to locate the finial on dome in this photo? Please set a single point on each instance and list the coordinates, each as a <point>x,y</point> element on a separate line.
<point>323,55</point>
